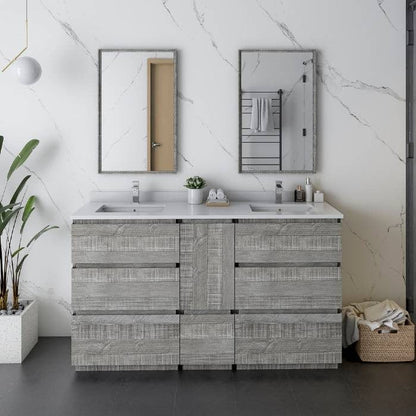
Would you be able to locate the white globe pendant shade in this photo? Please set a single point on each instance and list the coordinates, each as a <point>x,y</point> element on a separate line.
<point>28,70</point>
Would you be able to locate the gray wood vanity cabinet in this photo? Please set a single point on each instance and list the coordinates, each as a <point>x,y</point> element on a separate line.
<point>206,294</point>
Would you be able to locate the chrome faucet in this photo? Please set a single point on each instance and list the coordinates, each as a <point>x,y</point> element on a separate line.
<point>278,192</point>
<point>135,192</point>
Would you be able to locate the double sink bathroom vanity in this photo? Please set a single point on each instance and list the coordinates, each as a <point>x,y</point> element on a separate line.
<point>174,286</point>
<point>165,285</point>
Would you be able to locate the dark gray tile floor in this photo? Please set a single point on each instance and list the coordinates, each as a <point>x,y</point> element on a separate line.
<point>45,384</point>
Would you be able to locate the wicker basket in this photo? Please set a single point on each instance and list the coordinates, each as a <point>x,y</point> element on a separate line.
<point>379,346</point>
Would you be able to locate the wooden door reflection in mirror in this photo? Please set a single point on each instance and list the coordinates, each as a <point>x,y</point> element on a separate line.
<point>137,111</point>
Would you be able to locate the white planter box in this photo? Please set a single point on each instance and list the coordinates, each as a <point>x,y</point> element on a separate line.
<point>18,334</point>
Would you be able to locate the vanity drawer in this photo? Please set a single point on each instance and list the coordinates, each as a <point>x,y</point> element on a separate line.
<point>125,289</point>
<point>125,243</point>
<point>286,242</point>
<point>207,340</point>
<point>125,340</point>
<point>288,288</point>
<point>288,339</point>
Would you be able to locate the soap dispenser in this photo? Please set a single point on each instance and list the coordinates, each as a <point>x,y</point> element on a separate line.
<point>299,194</point>
<point>308,190</point>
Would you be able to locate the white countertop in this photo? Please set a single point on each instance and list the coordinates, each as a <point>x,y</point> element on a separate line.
<point>182,210</point>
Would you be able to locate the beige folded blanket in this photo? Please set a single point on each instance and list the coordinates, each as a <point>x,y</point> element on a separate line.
<point>386,310</point>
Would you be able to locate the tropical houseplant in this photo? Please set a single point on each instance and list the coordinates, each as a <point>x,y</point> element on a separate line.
<point>15,212</point>
<point>195,186</point>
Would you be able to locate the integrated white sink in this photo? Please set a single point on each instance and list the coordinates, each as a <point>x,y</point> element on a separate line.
<point>140,209</point>
<point>283,209</point>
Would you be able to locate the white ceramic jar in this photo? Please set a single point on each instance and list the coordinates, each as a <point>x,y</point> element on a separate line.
<point>195,196</point>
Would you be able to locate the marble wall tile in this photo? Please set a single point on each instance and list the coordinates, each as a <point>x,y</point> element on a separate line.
<point>361,117</point>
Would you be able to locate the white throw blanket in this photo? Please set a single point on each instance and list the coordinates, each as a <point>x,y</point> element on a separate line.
<point>373,314</point>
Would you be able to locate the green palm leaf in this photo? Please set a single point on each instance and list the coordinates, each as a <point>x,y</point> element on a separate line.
<point>7,217</point>
<point>29,208</point>
<point>19,189</point>
<point>37,235</point>
<point>5,208</point>
<point>22,156</point>
<point>20,265</point>
<point>18,251</point>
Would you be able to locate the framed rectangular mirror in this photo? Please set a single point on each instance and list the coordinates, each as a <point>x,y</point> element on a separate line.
<point>277,101</point>
<point>137,111</point>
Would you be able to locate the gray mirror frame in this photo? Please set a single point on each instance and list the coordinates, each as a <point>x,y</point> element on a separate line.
<point>175,135</point>
<point>314,54</point>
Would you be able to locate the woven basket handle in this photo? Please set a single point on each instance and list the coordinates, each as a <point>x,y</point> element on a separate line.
<point>387,331</point>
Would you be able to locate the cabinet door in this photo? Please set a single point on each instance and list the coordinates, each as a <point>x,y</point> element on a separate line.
<point>125,340</point>
<point>207,266</point>
<point>207,340</point>
<point>288,339</point>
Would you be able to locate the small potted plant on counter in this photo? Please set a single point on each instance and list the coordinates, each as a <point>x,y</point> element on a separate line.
<point>195,186</point>
<point>18,318</point>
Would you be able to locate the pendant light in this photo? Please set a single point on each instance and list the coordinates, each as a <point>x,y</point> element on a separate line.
<point>28,69</point>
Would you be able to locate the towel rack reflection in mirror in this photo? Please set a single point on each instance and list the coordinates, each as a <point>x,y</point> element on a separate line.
<point>253,139</point>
